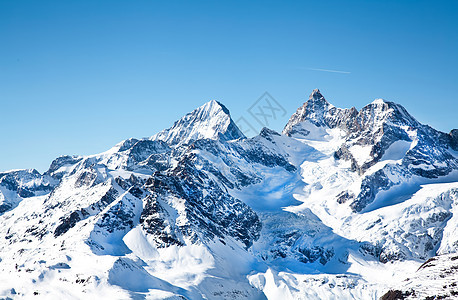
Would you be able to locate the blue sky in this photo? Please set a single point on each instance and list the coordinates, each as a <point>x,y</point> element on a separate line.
<point>76,77</point>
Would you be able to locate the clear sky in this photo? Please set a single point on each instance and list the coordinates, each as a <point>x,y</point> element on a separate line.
<point>76,77</point>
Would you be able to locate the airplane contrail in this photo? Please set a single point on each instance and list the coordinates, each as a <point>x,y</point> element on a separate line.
<point>326,70</point>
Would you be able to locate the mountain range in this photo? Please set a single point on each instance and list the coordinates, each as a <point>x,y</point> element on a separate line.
<point>342,204</point>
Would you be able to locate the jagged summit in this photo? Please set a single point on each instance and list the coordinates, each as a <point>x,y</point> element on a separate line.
<point>381,110</point>
<point>316,101</point>
<point>320,112</point>
<point>210,121</point>
<point>317,111</point>
<point>316,95</point>
<point>313,110</point>
<point>316,105</point>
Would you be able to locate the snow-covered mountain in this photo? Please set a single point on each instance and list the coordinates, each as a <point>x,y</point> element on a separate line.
<point>343,204</point>
<point>210,121</point>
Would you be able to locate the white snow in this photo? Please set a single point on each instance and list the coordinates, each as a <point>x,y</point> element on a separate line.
<point>361,153</point>
<point>378,101</point>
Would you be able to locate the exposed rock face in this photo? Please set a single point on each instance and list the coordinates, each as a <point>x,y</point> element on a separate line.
<point>454,139</point>
<point>209,211</point>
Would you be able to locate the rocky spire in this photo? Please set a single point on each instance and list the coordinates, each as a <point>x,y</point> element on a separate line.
<point>313,110</point>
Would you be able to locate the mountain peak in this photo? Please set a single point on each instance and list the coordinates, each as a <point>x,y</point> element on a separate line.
<point>316,100</point>
<point>315,95</point>
<point>384,110</point>
<point>214,105</point>
<point>209,121</point>
<point>378,101</point>
<point>314,110</point>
